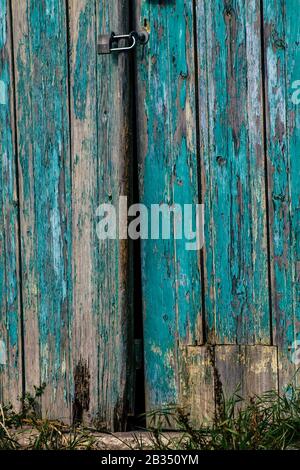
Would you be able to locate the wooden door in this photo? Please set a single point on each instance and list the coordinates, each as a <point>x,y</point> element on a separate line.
<point>212,101</point>
<point>65,149</point>
<point>216,92</point>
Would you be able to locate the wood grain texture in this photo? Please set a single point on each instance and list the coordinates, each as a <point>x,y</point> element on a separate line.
<point>116,346</point>
<point>218,372</point>
<point>282,53</point>
<point>83,94</point>
<point>40,53</point>
<point>102,341</point>
<point>246,370</point>
<point>73,151</point>
<point>167,151</point>
<point>200,384</point>
<point>233,171</point>
<point>10,309</point>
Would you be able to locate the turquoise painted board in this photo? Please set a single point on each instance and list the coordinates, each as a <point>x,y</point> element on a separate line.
<point>167,148</point>
<point>41,67</point>
<point>282,66</point>
<point>10,312</point>
<point>233,172</point>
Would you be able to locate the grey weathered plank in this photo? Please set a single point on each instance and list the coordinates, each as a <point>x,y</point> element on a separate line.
<point>83,98</point>
<point>114,159</point>
<point>229,365</point>
<point>101,150</point>
<point>261,370</point>
<point>200,387</point>
<point>40,51</point>
<point>246,370</point>
<point>219,372</point>
<point>10,308</point>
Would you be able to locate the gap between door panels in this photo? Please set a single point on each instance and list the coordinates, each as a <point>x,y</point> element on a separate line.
<point>138,418</point>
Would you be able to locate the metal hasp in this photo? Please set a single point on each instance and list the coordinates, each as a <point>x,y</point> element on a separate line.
<point>109,43</point>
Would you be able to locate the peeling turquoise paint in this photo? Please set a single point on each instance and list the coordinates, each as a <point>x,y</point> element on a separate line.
<point>3,94</point>
<point>225,166</point>
<point>83,61</point>
<point>168,174</point>
<point>44,156</point>
<point>3,358</point>
<point>232,164</point>
<point>283,66</point>
<point>3,22</point>
<point>10,347</point>
<point>231,109</point>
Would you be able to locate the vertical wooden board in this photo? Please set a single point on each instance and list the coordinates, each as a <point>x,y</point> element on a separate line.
<point>233,171</point>
<point>261,370</point>
<point>201,384</point>
<point>114,157</point>
<point>26,182</point>
<point>282,53</point>
<point>83,94</point>
<point>168,174</point>
<point>100,130</point>
<point>40,40</point>
<point>293,125</point>
<point>10,309</point>
<point>228,366</point>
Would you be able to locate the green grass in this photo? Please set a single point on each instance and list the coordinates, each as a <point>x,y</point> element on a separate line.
<point>270,421</point>
<point>26,430</point>
<point>267,422</point>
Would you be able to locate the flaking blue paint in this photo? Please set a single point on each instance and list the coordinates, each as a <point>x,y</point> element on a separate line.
<point>3,22</point>
<point>236,284</point>
<point>3,355</point>
<point>3,94</point>
<point>83,61</point>
<point>171,277</point>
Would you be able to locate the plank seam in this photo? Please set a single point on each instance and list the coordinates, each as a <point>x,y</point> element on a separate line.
<point>70,215</point>
<point>198,150</point>
<point>265,147</point>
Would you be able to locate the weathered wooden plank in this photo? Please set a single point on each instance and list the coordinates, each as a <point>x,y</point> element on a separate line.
<point>282,52</point>
<point>218,372</point>
<point>168,175</point>
<point>261,370</point>
<point>114,156</point>
<point>26,181</point>
<point>40,39</point>
<point>10,309</point>
<point>84,363</point>
<point>201,384</point>
<point>246,370</point>
<point>229,365</point>
<point>233,171</point>
<point>101,150</point>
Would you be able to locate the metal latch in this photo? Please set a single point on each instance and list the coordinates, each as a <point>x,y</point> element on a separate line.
<point>108,43</point>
